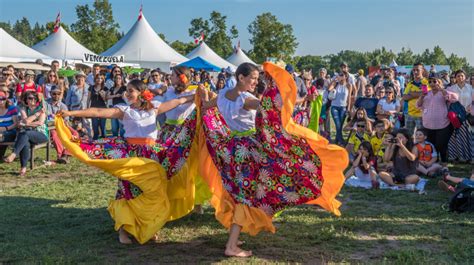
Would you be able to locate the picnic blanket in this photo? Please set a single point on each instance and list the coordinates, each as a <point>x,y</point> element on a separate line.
<point>362,183</point>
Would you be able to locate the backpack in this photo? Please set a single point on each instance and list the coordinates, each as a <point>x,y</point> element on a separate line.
<point>457,114</point>
<point>462,200</point>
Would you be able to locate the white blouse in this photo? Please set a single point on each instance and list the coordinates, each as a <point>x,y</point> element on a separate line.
<point>466,94</point>
<point>182,111</point>
<point>236,117</point>
<point>138,123</point>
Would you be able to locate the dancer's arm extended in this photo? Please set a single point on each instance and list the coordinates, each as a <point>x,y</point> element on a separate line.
<point>110,113</point>
<point>251,103</point>
<point>171,104</point>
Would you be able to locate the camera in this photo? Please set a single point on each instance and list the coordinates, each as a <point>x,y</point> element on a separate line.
<point>393,140</point>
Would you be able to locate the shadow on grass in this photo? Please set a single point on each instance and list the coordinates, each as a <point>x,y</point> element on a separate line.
<point>42,230</point>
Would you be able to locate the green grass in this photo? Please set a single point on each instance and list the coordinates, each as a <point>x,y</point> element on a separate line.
<point>59,215</point>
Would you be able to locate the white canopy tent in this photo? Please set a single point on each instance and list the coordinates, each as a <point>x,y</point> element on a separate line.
<point>141,45</point>
<point>11,50</point>
<point>60,45</point>
<point>239,57</point>
<point>209,55</point>
<point>393,63</point>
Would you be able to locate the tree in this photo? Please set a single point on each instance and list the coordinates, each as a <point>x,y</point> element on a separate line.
<point>96,27</point>
<point>181,47</point>
<point>7,27</point>
<point>163,37</point>
<point>438,56</point>
<point>405,57</point>
<point>215,32</point>
<point>311,62</point>
<point>39,33</point>
<point>457,63</point>
<point>271,38</point>
<point>22,31</point>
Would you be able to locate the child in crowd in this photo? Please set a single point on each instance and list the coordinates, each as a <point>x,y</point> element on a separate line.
<point>357,138</point>
<point>443,184</point>
<point>360,113</point>
<point>377,139</point>
<point>78,126</point>
<point>364,166</point>
<point>427,155</point>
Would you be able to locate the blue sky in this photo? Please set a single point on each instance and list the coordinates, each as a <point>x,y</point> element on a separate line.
<point>321,26</point>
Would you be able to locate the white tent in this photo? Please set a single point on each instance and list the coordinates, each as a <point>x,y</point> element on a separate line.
<point>209,55</point>
<point>393,63</point>
<point>143,46</point>
<point>11,50</point>
<point>60,45</point>
<point>239,57</point>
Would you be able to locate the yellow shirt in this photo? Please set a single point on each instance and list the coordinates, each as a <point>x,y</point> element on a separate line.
<point>356,141</point>
<point>377,145</point>
<point>413,110</point>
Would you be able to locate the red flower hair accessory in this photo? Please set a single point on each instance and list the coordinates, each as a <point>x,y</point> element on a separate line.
<point>147,95</point>
<point>183,78</point>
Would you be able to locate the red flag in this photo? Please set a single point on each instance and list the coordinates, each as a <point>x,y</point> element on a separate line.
<point>140,14</point>
<point>58,21</point>
<point>199,39</point>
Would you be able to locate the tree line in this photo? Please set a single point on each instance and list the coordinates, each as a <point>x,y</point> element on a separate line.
<point>96,29</point>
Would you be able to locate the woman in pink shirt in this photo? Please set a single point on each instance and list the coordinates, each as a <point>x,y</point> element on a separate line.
<point>435,120</point>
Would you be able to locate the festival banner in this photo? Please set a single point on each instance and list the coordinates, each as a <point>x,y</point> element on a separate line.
<point>92,58</point>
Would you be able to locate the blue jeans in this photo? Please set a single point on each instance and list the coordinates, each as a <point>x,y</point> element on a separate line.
<point>23,142</point>
<point>8,136</point>
<point>116,127</point>
<point>98,124</point>
<point>339,116</point>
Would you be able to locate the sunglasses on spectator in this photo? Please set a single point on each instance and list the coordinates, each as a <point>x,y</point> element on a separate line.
<point>389,92</point>
<point>432,81</point>
<point>3,98</point>
<point>360,125</point>
<point>56,94</point>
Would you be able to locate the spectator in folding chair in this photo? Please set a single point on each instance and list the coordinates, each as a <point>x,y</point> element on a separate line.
<point>32,129</point>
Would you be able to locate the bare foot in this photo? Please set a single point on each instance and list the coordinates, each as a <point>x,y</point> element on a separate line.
<point>240,243</point>
<point>123,237</point>
<point>10,158</point>
<point>198,209</point>
<point>22,171</point>
<point>237,252</point>
<point>156,237</point>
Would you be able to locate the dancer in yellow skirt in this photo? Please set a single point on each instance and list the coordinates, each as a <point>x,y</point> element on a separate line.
<point>156,177</point>
<point>257,161</point>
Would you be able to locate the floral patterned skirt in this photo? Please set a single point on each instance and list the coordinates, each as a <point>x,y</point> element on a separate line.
<point>270,169</point>
<point>171,150</point>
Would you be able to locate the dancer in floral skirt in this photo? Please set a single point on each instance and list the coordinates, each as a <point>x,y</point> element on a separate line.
<point>257,161</point>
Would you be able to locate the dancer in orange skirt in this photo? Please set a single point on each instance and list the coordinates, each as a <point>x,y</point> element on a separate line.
<point>257,161</point>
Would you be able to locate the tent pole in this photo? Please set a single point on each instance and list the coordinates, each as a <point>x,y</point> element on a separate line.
<point>65,49</point>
